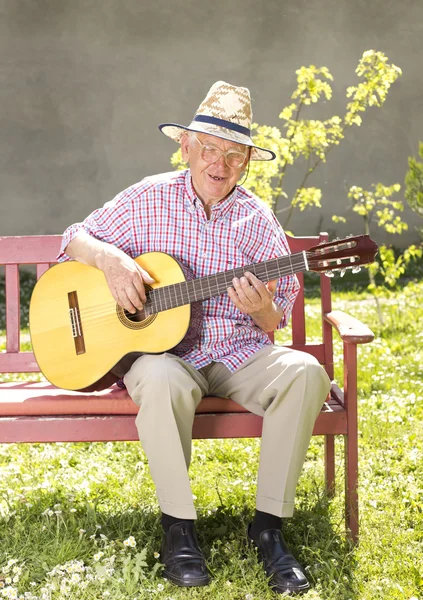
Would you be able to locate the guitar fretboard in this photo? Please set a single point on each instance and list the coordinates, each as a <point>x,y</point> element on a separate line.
<point>186,292</point>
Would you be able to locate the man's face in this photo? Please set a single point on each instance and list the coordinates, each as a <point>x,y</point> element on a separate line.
<point>212,181</point>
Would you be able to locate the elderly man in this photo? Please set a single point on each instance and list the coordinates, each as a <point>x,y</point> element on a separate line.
<point>203,218</point>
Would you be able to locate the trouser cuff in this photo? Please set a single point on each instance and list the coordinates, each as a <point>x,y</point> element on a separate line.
<point>181,511</point>
<point>275,507</point>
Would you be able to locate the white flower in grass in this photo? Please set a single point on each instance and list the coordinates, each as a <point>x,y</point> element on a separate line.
<point>8,580</point>
<point>97,556</point>
<point>160,587</point>
<point>130,542</point>
<point>249,597</point>
<point>73,510</point>
<point>82,531</point>
<point>11,593</point>
<point>156,555</point>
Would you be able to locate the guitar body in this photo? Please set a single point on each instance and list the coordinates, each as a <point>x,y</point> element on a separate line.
<point>100,343</point>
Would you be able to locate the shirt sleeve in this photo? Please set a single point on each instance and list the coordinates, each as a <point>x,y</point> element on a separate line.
<point>110,224</point>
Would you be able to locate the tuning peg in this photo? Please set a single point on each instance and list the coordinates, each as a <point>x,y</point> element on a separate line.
<point>352,259</point>
<point>329,273</point>
<point>356,269</point>
<point>342,272</point>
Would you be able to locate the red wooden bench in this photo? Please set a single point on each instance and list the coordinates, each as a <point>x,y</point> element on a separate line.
<point>39,412</point>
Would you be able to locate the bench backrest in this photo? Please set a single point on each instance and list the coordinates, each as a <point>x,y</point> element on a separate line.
<point>42,250</point>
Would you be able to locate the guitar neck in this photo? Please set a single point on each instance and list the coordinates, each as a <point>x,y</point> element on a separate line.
<point>186,292</point>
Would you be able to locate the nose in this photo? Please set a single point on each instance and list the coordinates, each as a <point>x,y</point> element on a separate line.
<point>221,161</point>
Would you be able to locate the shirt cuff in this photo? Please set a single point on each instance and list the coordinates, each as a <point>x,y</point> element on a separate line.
<point>69,234</point>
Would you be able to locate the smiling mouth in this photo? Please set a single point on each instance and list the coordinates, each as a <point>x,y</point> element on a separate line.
<point>216,178</point>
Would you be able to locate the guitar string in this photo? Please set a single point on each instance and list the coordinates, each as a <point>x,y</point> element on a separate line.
<point>154,301</point>
<point>280,271</point>
<point>103,319</point>
<point>158,294</point>
<point>173,289</point>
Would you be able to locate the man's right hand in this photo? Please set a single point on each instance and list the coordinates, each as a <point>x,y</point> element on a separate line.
<point>125,278</point>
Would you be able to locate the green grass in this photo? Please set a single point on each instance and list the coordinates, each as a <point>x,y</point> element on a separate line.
<point>66,510</point>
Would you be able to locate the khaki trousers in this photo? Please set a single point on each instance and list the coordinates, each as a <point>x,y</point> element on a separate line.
<point>286,387</point>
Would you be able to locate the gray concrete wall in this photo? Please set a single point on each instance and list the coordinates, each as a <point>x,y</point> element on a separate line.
<point>83,85</point>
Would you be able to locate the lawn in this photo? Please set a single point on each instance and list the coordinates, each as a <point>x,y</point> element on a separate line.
<point>81,521</point>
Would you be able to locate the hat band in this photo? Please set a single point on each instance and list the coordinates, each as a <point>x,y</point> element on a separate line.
<point>223,123</point>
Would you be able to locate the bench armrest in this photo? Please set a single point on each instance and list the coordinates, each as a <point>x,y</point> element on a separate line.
<point>350,329</point>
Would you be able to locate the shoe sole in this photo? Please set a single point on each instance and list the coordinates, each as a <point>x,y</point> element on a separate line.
<point>183,583</point>
<point>290,591</point>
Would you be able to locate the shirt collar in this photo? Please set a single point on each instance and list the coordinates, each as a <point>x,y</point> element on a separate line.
<point>218,210</point>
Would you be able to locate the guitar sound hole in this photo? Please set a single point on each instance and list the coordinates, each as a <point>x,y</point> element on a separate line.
<point>137,317</point>
<point>137,320</point>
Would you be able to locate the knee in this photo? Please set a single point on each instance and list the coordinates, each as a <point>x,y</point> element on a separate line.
<point>158,381</point>
<point>307,367</point>
<point>147,369</point>
<point>313,367</point>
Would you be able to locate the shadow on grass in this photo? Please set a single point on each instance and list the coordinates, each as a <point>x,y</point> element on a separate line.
<point>46,540</point>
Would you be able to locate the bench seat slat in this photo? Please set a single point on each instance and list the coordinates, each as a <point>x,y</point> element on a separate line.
<point>43,399</point>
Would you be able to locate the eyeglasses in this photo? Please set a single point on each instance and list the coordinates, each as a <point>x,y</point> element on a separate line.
<point>211,154</point>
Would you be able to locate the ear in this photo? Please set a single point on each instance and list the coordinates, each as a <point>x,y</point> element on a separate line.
<point>244,167</point>
<point>185,142</point>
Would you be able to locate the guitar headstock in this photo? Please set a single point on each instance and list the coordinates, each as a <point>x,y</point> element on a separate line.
<point>339,255</point>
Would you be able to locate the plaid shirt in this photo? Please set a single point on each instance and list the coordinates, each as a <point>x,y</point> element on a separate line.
<point>162,213</point>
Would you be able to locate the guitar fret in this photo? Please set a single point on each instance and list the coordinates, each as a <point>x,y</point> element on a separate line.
<point>193,289</point>
<point>206,287</point>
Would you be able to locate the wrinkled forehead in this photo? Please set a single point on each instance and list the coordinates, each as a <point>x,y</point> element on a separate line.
<point>212,140</point>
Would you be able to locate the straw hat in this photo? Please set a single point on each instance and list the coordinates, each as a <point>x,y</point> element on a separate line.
<point>226,113</point>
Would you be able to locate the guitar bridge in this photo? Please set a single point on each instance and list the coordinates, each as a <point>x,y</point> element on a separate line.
<point>76,325</point>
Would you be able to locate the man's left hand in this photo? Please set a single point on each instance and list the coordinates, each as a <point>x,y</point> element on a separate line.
<point>251,296</point>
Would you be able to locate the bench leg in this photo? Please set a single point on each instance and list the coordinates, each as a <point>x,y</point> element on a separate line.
<point>351,440</point>
<point>330,464</point>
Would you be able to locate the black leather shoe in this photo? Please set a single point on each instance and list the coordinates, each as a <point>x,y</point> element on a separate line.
<point>286,574</point>
<point>183,560</point>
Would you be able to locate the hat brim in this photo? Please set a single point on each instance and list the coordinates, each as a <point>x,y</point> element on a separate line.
<point>175,131</point>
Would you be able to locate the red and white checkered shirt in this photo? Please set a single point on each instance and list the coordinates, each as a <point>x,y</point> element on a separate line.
<point>163,214</point>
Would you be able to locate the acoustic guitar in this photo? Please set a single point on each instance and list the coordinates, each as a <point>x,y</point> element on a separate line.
<point>84,341</point>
